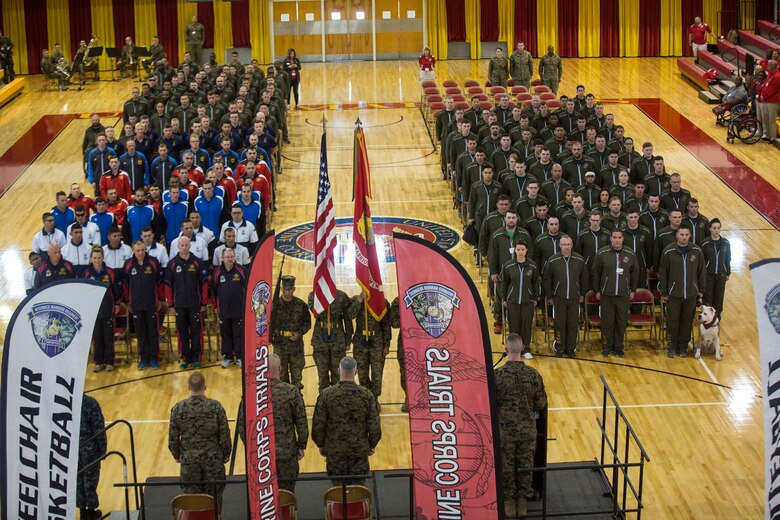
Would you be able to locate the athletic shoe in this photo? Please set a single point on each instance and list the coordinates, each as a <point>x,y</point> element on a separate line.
<point>683,354</point>
<point>184,365</point>
<point>671,354</point>
<point>196,364</point>
<point>620,353</point>
<point>558,353</point>
<point>98,368</point>
<point>527,355</point>
<point>239,363</point>
<point>227,362</point>
<point>142,364</point>
<point>571,354</point>
<point>605,352</point>
<point>154,364</point>
<point>109,368</point>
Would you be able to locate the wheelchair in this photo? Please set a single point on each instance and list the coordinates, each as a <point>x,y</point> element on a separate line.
<point>745,127</point>
<point>726,112</point>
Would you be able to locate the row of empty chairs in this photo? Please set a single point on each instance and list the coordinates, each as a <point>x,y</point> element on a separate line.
<point>356,498</point>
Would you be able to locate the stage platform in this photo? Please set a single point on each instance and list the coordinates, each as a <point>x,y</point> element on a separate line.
<point>568,491</point>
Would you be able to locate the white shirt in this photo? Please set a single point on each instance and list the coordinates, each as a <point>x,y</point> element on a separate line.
<point>198,247</point>
<point>77,254</point>
<point>29,279</point>
<point>242,255</point>
<point>91,233</point>
<point>205,233</point>
<point>245,232</point>
<point>116,258</point>
<point>159,252</point>
<point>41,240</point>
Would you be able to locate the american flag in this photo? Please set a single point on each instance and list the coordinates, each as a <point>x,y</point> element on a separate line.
<point>325,243</point>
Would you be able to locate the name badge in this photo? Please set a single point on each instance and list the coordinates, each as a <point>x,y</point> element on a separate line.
<point>619,270</point>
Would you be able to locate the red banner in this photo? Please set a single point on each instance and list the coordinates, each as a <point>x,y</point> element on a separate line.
<point>260,449</point>
<point>452,417</point>
<point>367,270</point>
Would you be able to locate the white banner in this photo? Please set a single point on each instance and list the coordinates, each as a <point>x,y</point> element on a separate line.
<point>766,288</point>
<point>44,363</point>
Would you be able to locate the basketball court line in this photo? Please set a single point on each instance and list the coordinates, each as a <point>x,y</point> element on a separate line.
<point>553,409</point>
<point>714,379</point>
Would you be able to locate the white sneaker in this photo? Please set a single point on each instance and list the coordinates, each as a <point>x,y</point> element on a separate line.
<point>527,355</point>
<point>227,363</point>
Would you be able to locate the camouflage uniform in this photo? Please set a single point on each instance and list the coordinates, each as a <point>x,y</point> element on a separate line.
<point>550,70</point>
<point>498,71</point>
<point>521,66</point>
<point>91,422</point>
<point>346,428</point>
<point>199,438</point>
<point>395,322</point>
<point>329,349</point>
<point>370,352</point>
<point>289,317</point>
<point>520,393</point>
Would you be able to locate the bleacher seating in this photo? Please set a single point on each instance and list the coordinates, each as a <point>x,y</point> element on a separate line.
<point>769,30</point>
<point>694,73</point>
<point>754,40</point>
<point>10,91</point>
<point>711,61</point>
<point>731,53</point>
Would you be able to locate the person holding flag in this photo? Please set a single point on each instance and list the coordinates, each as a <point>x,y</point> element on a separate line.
<point>333,328</point>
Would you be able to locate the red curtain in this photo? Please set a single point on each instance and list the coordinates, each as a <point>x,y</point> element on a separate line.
<point>568,27</point>
<point>488,18</point>
<point>168,29</point>
<point>525,24</point>
<point>456,21</point>
<point>690,10</point>
<point>728,16</point>
<point>80,17</point>
<point>610,32</point>
<point>206,17</point>
<point>240,17</point>
<point>37,36</point>
<point>764,11</point>
<point>124,22</point>
<point>649,27</point>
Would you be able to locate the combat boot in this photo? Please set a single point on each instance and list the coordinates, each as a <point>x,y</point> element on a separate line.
<point>510,509</point>
<point>522,507</point>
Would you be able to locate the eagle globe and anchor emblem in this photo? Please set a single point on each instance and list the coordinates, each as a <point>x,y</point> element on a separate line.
<point>54,326</point>
<point>260,296</point>
<point>433,305</point>
<point>772,307</point>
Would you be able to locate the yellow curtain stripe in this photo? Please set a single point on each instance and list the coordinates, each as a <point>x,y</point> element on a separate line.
<point>103,21</point>
<point>710,10</point>
<point>589,28</point>
<point>436,27</point>
<point>145,21</point>
<point>506,23</point>
<point>671,28</point>
<point>472,27</point>
<point>259,31</point>
<point>58,26</point>
<point>13,20</point>
<point>184,13</point>
<point>223,33</point>
<point>629,27</point>
<point>547,25</point>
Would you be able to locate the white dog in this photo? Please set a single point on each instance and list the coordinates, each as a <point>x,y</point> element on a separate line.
<point>708,333</point>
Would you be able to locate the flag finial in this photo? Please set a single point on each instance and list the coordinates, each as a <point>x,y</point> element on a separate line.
<point>323,121</point>
<point>358,122</point>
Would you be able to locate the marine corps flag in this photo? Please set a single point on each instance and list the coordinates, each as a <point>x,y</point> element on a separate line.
<point>367,271</point>
<point>44,363</point>
<point>261,477</point>
<point>453,421</point>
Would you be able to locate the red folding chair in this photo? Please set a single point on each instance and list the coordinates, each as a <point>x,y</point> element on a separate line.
<point>520,89</point>
<point>471,83</point>
<point>539,89</point>
<point>449,83</point>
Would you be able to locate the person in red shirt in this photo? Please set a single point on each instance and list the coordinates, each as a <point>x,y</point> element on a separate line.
<point>77,198</point>
<point>768,101</point>
<point>116,205</point>
<point>117,179</point>
<point>427,62</point>
<point>697,35</point>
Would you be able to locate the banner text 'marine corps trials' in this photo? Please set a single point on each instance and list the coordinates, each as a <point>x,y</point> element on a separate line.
<point>449,377</point>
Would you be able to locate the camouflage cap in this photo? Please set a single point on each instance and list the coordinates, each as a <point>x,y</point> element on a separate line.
<point>288,282</point>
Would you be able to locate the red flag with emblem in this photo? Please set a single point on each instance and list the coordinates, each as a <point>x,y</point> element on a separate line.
<point>367,270</point>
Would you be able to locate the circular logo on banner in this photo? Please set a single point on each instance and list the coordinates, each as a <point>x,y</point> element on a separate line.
<point>298,241</point>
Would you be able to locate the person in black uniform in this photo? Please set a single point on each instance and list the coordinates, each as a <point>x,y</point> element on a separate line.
<point>185,278</point>
<point>103,334</point>
<point>7,58</point>
<point>228,286</point>
<point>142,280</point>
<point>54,268</point>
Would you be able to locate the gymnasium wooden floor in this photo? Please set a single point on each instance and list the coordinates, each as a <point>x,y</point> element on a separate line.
<point>700,421</point>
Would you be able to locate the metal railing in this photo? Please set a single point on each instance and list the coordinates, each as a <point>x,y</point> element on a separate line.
<point>139,499</point>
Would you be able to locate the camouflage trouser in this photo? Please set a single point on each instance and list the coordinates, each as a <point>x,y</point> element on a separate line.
<point>327,357</point>
<point>517,452</point>
<point>209,469</point>
<point>291,355</point>
<point>370,357</point>
<point>524,82</point>
<point>499,79</point>
<point>553,84</point>
<point>287,468</point>
<point>87,483</point>
<point>352,464</point>
<point>402,364</point>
